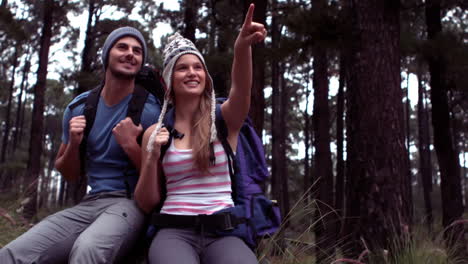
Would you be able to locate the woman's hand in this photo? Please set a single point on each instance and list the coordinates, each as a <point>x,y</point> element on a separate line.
<point>160,139</point>
<point>251,32</point>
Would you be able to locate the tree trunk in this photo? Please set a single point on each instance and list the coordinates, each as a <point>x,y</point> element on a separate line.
<point>87,56</point>
<point>283,158</point>
<point>340,164</point>
<point>220,74</point>
<point>425,167</point>
<point>6,177</point>
<point>19,107</point>
<point>190,19</point>
<point>376,155</point>
<point>278,130</point>
<point>37,124</point>
<point>408,182</point>
<point>276,126</point>
<point>21,129</point>
<point>452,201</point>
<point>53,129</point>
<point>307,128</point>
<point>464,171</point>
<point>258,54</point>
<point>6,132</point>
<point>325,217</point>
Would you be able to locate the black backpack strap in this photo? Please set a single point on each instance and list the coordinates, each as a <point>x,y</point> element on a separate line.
<point>168,123</point>
<point>134,111</point>
<point>80,101</point>
<point>222,132</point>
<point>137,104</point>
<point>89,112</point>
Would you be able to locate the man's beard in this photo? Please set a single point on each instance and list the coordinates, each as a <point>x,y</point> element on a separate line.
<point>122,75</point>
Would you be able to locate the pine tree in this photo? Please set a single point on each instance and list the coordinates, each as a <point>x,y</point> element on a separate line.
<point>377,164</point>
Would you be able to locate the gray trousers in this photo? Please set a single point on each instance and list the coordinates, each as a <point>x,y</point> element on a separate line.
<point>100,229</point>
<point>187,246</point>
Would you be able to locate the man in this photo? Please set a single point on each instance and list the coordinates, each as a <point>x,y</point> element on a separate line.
<point>105,223</point>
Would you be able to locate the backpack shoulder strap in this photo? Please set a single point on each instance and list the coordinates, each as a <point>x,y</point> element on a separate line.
<point>221,128</point>
<point>222,132</point>
<point>168,122</point>
<point>89,112</point>
<point>80,101</point>
<point>137,103</point>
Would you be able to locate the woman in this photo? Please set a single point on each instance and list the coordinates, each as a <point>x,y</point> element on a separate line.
<point>195,164</point>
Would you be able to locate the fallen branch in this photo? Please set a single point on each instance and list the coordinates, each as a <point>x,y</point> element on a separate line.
<point>5,214</point>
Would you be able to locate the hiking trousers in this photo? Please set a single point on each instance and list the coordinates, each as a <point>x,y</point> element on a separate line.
<point>100,229</point>
<point>190,246</point>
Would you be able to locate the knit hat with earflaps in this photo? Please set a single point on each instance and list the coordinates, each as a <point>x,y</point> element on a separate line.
<point>177,47</point>
<point>117,34</point>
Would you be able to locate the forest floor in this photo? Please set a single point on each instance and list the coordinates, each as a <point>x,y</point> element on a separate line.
<point>423,248</point>
<point>11,223</point>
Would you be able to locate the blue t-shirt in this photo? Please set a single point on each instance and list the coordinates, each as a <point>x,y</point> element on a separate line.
<point>107,164</point>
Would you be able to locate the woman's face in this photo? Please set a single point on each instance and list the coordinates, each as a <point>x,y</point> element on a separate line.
<point>189,76</point>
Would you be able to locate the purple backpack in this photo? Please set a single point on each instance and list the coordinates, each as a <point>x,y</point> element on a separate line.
<point>261,215</point>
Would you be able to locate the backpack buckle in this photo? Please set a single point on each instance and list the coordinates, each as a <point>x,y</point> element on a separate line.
<point>228,223</point>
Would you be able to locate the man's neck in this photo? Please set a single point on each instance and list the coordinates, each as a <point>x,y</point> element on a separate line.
<point>116,89</point>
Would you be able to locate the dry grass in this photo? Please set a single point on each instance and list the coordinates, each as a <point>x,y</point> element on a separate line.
<point>298,238</point>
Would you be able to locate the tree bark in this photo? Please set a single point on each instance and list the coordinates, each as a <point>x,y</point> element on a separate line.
<point>376,155</point>
<point>325,217</point>
<point>307,128</point>
<point>6,132</point>
<point>425,167</point>
<point>87,55</point>
<point>278,164</point>
<point>259,64</point>
<point>37,124</point>
<point>408,182</point>
<point>220,74</point>
<point>19,107</point>
<point>340,163</point>
<point>283,165</point>
<point>452,199</point>
<point>190,19</point>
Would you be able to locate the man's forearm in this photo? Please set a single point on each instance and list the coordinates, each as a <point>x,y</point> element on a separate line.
<point>68,162</point>
<point>133,151</point>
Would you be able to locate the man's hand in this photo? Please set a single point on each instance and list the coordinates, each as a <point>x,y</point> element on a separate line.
<point>126,132</point>
<point>77,127</point>
<point>251,32</point>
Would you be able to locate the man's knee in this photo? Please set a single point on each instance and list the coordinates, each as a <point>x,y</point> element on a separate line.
<point>88,250</point>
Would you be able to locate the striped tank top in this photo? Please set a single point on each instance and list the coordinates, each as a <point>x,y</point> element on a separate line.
<point>191,192</point>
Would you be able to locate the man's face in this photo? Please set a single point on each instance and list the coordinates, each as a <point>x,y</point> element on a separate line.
<point>125,58</point>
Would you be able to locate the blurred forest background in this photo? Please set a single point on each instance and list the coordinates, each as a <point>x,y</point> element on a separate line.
<point>362,107</point>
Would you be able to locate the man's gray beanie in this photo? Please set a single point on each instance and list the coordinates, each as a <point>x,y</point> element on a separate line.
<point>118,34</point>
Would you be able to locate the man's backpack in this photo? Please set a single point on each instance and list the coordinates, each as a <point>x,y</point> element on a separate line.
<point>253,216</point>
<point>148,80</point>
